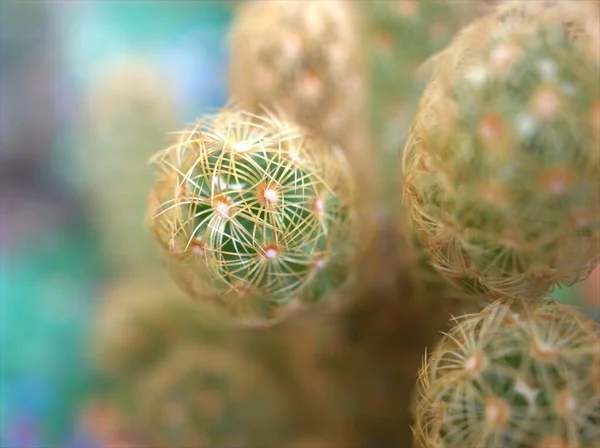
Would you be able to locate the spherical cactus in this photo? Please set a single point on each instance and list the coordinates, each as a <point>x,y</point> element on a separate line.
<point>174,368</point>
<point>304,56</point>
<point>256,212</point>
<point>128,116</point>
<point>501,165</point>
<point>518,374</point>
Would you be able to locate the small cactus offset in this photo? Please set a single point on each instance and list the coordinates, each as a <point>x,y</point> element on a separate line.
<point>128,116</point>
<point>305,57</point>
<point>501,166</point>
<point>518,374</point>
<point>255,211</point>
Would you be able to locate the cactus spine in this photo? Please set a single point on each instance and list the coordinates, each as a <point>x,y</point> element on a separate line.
<point>518,374</point>
<point>255,210</point>
<point>500,170</point>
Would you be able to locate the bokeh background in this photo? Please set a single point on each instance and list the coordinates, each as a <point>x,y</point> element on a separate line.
<point>53,266</point>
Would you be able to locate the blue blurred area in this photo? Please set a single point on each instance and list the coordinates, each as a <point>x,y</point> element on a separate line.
<point>50,269</point>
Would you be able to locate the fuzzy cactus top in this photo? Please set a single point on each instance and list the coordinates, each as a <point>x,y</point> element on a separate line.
<point>256,210</point>
<point>303,56</point>
<point>501,166</point>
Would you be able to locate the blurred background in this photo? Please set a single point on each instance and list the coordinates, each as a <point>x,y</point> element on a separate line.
<point>80,81</point>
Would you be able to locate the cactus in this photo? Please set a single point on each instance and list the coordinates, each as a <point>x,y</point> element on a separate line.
<point>174,369</point>
<point>257,210</point>
<point>128,115</point>
<point>500,168</point>
<point>518,374</point>
<point>305,57</point>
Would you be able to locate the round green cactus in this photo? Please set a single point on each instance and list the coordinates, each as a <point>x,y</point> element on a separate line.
<point>518,374</point>
<point>501,165</point>
<point>256,212</point>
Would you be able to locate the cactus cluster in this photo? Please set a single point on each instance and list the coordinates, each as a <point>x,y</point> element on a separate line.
<point>500,169</point>
<point>257,210</point>
<point>518,374</point>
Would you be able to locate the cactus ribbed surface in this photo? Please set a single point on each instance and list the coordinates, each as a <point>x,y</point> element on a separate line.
<point>255,211</point>
<point>501,166</point>
<point>305,57</point>
<point>129,114</point>
<point>516,375</point>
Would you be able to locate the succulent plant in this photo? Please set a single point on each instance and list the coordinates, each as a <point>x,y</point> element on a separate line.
<point>173,368</point>
<point>304,57</point>
<point>256,212</point>
<point>128,116</point>
<point>500,169</point>
<point>518,374</point>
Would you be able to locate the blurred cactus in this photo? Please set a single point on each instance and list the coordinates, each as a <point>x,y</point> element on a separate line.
<point>501,164</point>
<point>173,368</point>
<point>518,374</point>
<point>305,57</point>
<point>129,113</point>
<point>401,36</point>
<point>256,210</point>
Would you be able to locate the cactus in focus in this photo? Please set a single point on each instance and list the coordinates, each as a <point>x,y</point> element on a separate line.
<point>255,211</point>
<point>518,374</point>
<point>175,370</point>
<point>128,117</point>
<point>304,57</point>
<point>501,166</point>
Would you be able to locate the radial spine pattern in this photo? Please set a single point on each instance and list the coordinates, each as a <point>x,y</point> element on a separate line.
<point>518,374</point>
<point>255,212</point>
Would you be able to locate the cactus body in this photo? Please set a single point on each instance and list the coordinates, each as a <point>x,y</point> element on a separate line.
<point>518,374</point>
<point>304,56</point>
<point>501,165</point>
<point>254,210</point>
<point>128,117</point>
<point>174,369</point>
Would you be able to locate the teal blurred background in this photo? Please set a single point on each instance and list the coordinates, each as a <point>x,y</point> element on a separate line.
<point>52,272</point>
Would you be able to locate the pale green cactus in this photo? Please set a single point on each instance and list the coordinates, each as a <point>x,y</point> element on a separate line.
<point>501,166</point>
<point>173,367</point>
<point>256,212</point>
<point>518,374</point>
<point>128,115</point>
